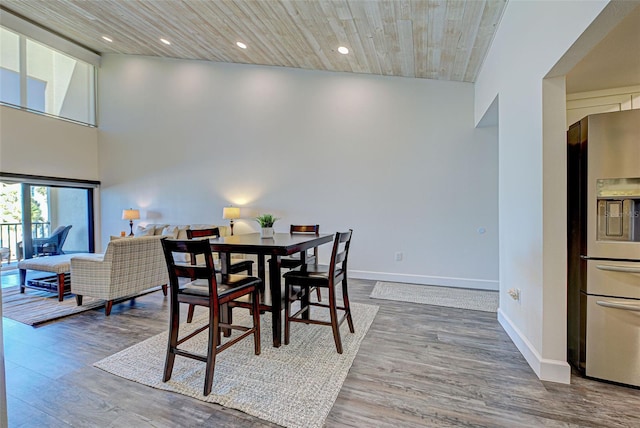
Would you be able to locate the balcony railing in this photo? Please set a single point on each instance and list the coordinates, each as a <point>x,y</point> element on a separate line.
<point>11,234</point>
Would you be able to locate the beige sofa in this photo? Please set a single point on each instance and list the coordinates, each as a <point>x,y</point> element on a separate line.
<point>176,231</point>
<point>128,267</point>
<point>179,231</point>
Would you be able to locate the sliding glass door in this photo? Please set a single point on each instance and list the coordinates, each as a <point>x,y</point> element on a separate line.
<point>44,219</point>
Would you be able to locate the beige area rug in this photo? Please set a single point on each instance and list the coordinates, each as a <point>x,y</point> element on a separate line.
<point>293,386</point>
<point>36,307</point>
<point>463,298</point>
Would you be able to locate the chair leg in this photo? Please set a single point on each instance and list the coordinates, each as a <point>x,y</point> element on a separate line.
<point>79,299</point>
<point>164,289</point>
<point>256,320</point>
<point>334,319</point>
<point>190,313</point>
<point>172,342</point>
<point>214,313</point>
<point>305,300</point>
<point>347,308</point>
<point>287,312</point>
<point>319,294</point>
<point>226,316</point>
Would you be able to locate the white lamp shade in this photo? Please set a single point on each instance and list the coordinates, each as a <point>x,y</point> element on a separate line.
<point>230,213</point>
<point>130,214</point>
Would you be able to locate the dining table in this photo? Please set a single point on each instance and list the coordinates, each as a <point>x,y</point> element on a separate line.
<point>281,244</point>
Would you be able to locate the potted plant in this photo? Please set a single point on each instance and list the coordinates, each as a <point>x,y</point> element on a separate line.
<point>266,223</point>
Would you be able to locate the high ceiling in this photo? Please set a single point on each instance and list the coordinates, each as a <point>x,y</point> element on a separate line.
<point>432,39</point>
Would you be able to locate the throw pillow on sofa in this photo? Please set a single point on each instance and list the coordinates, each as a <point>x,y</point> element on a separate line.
<point>170,232</point>
<point>145,231</point>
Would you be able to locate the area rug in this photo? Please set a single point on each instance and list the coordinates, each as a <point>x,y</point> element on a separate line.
<point>463,298</point>
<point>292,386</point>
<point>36,307</point>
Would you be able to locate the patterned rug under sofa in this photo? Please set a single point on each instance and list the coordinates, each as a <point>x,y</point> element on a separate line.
<point>36,307</point>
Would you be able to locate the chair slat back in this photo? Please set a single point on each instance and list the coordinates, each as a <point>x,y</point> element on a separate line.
<point>307,229</point>
<point>213,232</point>
<point>201,233</point>
<point>304,228</point>
<point>172,248</point>
<point>339,254</point>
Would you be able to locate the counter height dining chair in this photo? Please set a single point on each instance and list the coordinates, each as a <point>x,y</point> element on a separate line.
<point>234,268</point>
<point>214,232</point>
<point>307,257</point>
<point>307,277</point>
<point>205,287</point>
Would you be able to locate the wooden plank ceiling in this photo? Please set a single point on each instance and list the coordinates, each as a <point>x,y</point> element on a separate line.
<point>431,39</point>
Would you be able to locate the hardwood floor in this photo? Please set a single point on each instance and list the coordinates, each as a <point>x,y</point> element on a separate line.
<point>418,366</point>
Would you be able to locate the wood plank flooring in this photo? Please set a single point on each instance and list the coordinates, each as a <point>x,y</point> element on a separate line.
<point>418,366</point>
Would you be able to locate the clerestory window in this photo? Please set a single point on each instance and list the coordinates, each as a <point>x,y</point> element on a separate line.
<point>37,78</point>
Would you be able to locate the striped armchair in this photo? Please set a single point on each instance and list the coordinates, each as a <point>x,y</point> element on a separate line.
<point>128,267</point>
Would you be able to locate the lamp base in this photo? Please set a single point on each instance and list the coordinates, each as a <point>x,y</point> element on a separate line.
<point>231,225</point>
<point>131,226</point>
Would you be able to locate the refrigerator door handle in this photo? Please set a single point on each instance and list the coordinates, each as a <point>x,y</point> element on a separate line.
<point>615,268</point>
<point>616,305</point>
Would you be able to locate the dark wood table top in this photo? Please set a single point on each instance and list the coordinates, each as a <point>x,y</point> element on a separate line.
<point>281,244</point>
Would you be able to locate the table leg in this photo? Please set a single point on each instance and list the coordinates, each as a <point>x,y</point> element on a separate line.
<point>262,276</point>
<point>276,299</point>
<point>225,313</point>
<point>225,262</point>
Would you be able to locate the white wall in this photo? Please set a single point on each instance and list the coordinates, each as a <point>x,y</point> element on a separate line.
<point>398,160</point>
<point>532,171</point>
<point>3,384</point>
<point>39,145</point>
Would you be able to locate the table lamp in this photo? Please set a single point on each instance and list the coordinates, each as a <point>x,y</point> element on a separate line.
<point>131,215</point>
<point>230,213</point>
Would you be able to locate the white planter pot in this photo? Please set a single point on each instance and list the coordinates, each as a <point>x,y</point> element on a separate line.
<point>266,232</point>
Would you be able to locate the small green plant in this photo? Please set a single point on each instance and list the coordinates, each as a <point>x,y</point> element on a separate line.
<point>266,220</point>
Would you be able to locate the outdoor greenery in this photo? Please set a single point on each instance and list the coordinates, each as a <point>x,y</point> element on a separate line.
<point>266,220</point>
<point>11,204</point>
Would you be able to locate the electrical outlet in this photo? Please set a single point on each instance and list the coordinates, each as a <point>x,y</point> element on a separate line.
<point>398,256</point>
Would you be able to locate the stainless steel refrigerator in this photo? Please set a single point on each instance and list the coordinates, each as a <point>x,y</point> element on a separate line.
<point>603,206</point>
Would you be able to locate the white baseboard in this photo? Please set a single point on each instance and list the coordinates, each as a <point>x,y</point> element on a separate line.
<point>480,284</point>
<point>549,370</point>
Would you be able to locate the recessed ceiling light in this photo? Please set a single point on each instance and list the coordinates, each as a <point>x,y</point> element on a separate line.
<point>343,50</point>
<point>107,39</point>
<point>165,41</point>
<point>241,45</point>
